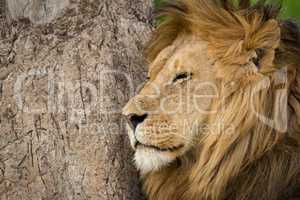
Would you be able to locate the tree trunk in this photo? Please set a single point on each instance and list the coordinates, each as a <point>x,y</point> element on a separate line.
<point>66,70</point>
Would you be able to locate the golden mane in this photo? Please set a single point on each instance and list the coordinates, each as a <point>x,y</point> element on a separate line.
<point>234,22</point>
<point>252,162</point>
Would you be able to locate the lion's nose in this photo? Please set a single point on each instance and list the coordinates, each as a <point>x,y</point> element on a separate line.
<point>135,120</point>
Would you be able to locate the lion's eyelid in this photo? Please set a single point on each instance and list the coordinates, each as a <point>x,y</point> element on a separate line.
<point>183,75</point>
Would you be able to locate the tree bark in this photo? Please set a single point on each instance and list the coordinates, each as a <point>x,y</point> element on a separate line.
<point>66,70</point>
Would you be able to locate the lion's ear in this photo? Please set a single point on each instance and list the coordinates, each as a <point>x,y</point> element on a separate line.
<point>267,35</point>
<point>237,44</point>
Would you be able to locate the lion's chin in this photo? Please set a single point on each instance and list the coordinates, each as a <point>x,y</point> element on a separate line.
<point>150,160</point>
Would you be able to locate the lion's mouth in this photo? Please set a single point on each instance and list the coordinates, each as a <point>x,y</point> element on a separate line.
<point>168,149</point>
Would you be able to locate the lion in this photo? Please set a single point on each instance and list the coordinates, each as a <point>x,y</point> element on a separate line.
<point>219,115</point>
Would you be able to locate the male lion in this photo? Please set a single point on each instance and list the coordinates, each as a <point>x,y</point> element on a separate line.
<point>219,116</point>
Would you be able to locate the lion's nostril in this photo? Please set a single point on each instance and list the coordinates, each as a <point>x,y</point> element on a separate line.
<point>135,120</point>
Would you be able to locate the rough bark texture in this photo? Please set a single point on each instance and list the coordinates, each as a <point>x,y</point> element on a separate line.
<point>66,69</point>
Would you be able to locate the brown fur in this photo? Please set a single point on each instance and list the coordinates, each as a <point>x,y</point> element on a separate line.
<point>258,162</point>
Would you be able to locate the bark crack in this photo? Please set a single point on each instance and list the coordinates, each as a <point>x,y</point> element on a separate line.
<point>79,64</point>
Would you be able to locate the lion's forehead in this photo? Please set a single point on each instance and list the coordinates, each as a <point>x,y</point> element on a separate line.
<point>190,55</point>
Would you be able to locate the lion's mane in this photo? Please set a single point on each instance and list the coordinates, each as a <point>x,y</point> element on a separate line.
<point>257,161</point>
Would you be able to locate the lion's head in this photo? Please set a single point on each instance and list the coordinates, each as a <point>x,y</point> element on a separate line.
<point>165,114</point>
<point>222,92</point>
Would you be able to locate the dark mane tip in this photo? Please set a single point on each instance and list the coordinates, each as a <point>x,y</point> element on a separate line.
<point>244,4</point>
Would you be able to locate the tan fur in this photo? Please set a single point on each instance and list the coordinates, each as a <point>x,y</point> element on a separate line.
<point>256,160</point>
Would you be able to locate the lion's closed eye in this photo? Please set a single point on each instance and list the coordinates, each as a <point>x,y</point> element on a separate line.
<point>183,76</point>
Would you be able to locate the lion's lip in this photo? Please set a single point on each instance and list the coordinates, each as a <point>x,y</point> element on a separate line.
<point>170,149</point>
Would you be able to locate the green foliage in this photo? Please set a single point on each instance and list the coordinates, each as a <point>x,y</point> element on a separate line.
<point>290,9</point>
<point>157,2</point>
